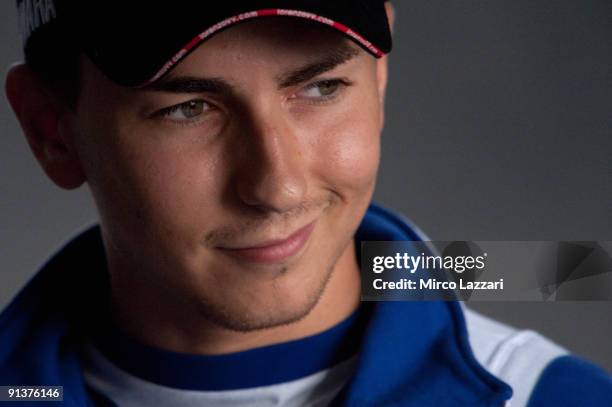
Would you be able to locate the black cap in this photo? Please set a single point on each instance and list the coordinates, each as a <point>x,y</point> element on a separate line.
<point>136,42</point>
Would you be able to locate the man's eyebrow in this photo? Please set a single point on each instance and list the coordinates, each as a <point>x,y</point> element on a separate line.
<point>190,84</point>
<point>324,64</point>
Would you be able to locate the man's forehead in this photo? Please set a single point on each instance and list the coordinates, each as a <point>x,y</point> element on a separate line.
<point>292,51</point>
<point>207,71</point>
<point>220,79</point>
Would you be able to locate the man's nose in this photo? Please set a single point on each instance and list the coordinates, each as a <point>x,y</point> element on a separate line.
<point>273,177</point>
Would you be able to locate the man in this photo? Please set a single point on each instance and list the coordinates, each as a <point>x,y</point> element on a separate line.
<point>232,150</point>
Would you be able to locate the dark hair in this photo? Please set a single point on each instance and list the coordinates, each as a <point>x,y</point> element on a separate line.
<point>54,57</point>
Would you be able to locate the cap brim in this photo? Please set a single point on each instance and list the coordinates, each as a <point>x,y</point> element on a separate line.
<point>142,46</point>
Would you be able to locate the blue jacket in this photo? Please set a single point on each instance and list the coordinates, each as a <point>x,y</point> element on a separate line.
<point>412,353</point>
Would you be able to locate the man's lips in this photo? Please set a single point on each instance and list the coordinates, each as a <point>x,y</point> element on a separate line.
<point>273,251</point>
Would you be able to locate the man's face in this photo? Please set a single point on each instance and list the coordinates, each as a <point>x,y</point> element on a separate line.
<point>235,184</point>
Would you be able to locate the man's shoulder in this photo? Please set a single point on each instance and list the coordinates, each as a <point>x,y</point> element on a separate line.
<point>540,372</point>
<point>570,381</point>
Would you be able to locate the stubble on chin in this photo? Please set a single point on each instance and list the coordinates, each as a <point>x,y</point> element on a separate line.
<point>225,316</point>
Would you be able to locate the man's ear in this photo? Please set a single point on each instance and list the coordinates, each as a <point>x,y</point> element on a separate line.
<point>382,69</point>
<point>46,121</point>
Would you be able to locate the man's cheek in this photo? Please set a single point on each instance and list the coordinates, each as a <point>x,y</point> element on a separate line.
<point>353,156</point>
<point>168,194</point>
<point>180,191</point>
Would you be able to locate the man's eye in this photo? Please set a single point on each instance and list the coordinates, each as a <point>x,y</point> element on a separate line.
<point>186,111</point>
<point>321,90</point>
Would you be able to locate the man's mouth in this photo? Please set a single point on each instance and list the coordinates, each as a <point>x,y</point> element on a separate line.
<point>273,250</point>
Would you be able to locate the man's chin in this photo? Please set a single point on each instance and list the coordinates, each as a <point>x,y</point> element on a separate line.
<point>273,307</point>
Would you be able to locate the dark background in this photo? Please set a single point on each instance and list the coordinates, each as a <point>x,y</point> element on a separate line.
<point>498,128</point>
